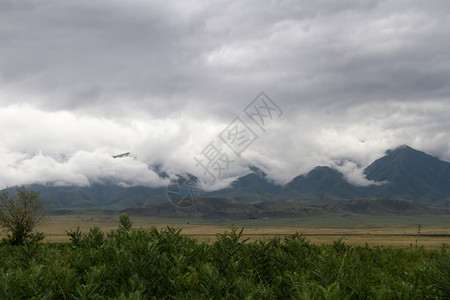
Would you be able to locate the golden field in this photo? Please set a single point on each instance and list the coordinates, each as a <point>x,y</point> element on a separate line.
<point>395,231</point>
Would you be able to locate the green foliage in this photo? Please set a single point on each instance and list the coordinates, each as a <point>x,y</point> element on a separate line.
<point>93,239</point>
<point>132,263</point>
<point>125,222</point>
<point>19,215</point>
<point>75,237</point>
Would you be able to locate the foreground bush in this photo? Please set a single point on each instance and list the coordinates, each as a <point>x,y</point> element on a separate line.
<point>133,263</point>
<point>20,213</point>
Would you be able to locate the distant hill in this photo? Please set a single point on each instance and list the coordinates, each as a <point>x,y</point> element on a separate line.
<point>206,207</point>
<point>213,208</point>
<point>321,183</point>
<point>407,174</point>
<point>379,206</point>
<point>250,188</point>
<point>97,195</point>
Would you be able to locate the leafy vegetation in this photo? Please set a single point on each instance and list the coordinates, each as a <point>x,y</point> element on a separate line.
<point>130,263</point>
<point>19,215</point>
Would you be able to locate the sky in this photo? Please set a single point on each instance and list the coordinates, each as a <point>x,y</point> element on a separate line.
<point>171,81</point>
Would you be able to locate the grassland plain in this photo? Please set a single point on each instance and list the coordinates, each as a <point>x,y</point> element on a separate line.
<point>355,229</point>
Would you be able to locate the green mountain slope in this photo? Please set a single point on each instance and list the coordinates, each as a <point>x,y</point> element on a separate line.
<point>250,188</point>
<point>410,174</point>
<point>322,183</point>
<point>99,195</point>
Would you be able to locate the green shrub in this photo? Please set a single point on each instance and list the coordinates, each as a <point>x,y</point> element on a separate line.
<point>134,263</point>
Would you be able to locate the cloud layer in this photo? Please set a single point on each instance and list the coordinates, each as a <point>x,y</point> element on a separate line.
<point>82,81</point>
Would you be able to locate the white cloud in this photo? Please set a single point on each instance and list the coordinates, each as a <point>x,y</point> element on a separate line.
<point>81,169</point>
<point>355,174</point>
<point>161,79</point>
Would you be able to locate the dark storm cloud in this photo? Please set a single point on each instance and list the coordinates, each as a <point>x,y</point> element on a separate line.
<point>78,55</point>
<point>353,77</point>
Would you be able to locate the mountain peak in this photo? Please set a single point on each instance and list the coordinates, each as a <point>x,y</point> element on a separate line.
<point>407,155</point>
<point>323,169</point>
<point>251,187</point>
<point>412,174</point>
<point>323,183</point>
<point>401,149</point>
<point>257,171</point>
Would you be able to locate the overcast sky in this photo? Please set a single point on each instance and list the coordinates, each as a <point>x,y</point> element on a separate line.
<point>83,80</point>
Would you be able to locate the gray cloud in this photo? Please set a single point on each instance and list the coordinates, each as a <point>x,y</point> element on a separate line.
<point>162,79</point>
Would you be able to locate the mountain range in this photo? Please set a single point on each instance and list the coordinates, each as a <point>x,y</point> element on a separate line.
<point>403,174</point>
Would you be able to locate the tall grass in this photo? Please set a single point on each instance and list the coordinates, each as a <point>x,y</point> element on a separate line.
<point>130,263</point>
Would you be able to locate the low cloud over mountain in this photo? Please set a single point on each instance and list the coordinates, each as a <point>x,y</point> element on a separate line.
<point>82,81</point>
<point>402,174</point>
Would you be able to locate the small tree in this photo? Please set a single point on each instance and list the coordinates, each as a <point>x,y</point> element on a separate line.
<point>20,213</point>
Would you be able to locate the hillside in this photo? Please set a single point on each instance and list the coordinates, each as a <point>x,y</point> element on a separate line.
<point>321,183</point>
<point>99,195</point>
<point>213,208</point>
<point>410,174</point>
<point>250,188</point>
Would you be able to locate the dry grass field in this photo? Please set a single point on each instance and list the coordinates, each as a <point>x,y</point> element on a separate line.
<point>354,229</point>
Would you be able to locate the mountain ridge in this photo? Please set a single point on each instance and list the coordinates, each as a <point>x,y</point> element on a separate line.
<point>409,175</point>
